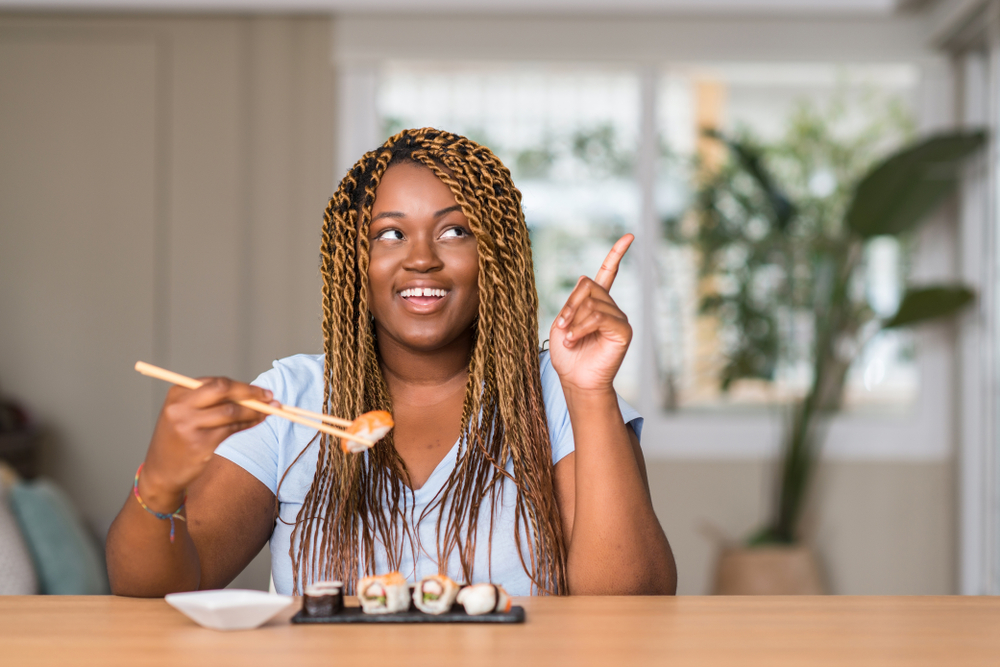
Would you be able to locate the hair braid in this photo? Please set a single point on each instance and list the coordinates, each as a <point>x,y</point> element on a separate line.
<point>356,502</point>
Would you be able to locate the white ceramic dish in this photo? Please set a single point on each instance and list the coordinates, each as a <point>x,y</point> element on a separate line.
<point>229,609</point>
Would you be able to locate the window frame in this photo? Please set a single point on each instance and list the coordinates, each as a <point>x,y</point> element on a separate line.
<point>926,432</point>
<point>971,34</point>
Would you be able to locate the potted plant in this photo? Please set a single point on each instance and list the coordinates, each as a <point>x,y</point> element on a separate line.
<point>780,257</point>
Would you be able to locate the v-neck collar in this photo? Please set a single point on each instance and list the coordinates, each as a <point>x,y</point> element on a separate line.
<point>436,480</point>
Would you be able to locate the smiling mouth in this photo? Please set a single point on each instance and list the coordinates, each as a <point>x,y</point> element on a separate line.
<point>423,296</point>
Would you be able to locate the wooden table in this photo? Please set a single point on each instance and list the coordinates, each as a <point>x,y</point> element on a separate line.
<point>617,632</point>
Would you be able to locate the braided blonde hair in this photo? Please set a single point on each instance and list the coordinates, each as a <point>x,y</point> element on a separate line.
<point>356,502</point>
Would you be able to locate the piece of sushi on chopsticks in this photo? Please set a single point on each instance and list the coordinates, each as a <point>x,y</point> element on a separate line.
<point>371,426</point>
<point>435,594</point>
<point>360,434</point>
<point>384,594</point>
<point>484,599</point>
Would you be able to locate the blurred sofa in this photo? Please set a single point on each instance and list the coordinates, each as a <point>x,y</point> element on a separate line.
<point>44,546</point>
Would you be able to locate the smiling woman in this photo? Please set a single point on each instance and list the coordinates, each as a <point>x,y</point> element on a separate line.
<point>506,464</point>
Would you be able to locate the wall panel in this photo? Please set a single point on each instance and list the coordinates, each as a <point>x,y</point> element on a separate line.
<point>162,184</point>
<point>78,195</point>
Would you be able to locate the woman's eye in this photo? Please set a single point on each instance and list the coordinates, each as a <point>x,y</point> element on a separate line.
<point>390,235</point>
<point>454,232</point>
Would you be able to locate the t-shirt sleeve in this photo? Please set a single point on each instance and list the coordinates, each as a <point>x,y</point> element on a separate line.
<point>560,428</point>
<point>256,449</point>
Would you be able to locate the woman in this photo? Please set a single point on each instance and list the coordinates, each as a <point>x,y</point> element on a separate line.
<point>504,465</point>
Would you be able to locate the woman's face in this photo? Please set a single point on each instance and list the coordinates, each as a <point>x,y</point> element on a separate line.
<point>424,266</point>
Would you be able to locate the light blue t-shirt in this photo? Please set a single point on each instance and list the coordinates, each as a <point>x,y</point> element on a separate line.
<point>268,449</point>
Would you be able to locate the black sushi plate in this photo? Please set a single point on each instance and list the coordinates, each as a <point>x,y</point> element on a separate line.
<point>456,615</point>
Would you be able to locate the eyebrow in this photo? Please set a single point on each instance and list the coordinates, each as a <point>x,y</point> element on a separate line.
<point>397,214</point>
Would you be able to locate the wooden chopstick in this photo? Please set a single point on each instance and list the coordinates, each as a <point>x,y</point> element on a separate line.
<point>297,415</point>
<point>329,419</point>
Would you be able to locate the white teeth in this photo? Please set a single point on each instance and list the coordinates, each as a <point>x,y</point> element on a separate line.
<point>422,291</point>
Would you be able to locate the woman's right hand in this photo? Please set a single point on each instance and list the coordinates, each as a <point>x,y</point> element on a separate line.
<point>192,423</point>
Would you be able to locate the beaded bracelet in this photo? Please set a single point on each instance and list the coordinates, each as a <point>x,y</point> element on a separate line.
<point>158,515</point>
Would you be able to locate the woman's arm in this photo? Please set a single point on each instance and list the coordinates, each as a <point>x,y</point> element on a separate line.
<point>229,513</point>
<point>614,540</point>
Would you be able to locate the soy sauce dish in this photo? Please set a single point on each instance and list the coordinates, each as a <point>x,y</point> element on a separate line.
<point>230,609</point>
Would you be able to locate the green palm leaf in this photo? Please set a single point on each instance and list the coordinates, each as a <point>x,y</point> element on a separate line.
<point>926,303</point>
<point>897,194</point>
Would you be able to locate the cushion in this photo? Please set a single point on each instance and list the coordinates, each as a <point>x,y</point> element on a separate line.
<point>17,573</point>
<point>66,558</point>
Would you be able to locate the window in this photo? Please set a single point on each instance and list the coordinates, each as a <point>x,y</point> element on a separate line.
<point>660,57</point>
<point>571,137</point>
<point>829,122</point>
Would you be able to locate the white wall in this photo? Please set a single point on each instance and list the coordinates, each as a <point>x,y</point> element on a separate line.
<point>879,528</point>
<point>723,37</point>
<point>162,185</point>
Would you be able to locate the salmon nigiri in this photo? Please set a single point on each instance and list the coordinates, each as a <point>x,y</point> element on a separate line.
<point>371,425</point>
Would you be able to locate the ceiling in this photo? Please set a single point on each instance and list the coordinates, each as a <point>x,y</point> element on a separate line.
<point>664,7</point>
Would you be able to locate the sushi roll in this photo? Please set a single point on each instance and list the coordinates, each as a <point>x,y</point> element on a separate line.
<point>484,599</point>
<point>435,594</point>
<point>371,425</point>
<point>323,599</point>
<point>385,594</point>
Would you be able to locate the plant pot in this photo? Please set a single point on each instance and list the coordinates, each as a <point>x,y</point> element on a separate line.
<point>768,570</point>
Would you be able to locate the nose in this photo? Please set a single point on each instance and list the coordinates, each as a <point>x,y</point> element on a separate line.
<point>422,256</point>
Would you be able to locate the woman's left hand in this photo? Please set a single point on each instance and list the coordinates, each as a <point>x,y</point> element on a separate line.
<point>591,334</point>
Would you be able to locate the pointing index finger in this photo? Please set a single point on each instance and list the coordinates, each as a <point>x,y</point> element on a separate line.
<point>609,269</point>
